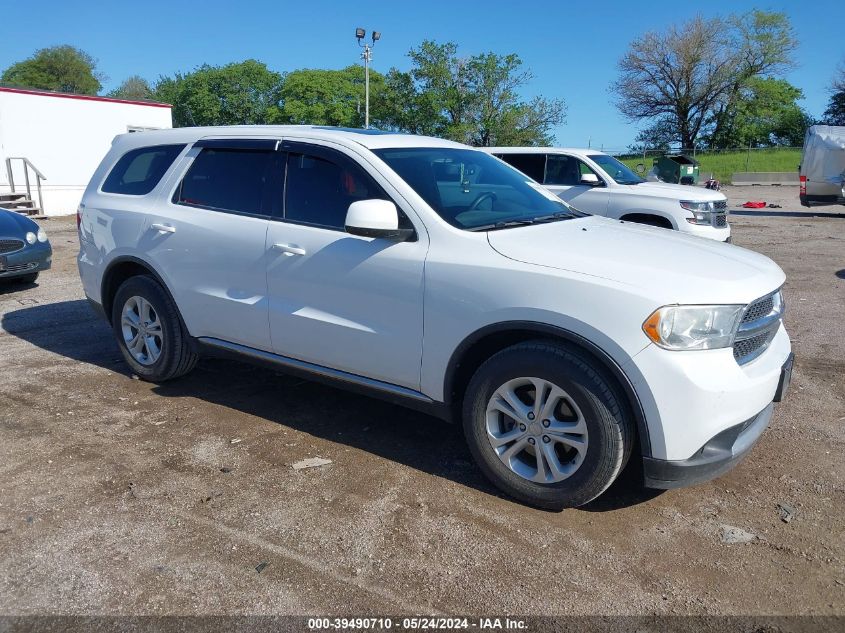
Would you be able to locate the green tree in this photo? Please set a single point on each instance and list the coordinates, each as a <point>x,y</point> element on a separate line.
<point>764,113</point>
<point>328,97</point>
<point>437,92</point>
<point>133,87</point>
<point>661,135</point>
<point>239,93</point>
<point>497,114</point>
<point>60,68</point>
<point>401,106</point>
<point>692,75</point>
<point>473,100</point>
<point>835,112</point>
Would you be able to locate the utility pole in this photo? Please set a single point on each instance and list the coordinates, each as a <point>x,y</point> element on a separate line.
<point>748,156</point>
<point>367,56</point>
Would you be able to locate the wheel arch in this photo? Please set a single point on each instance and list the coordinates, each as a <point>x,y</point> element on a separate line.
<point>643,217</point>
<point>119,270</point>
<point>483,343</point>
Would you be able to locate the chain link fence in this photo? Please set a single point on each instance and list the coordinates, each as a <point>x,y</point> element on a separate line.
<point>721,164</point>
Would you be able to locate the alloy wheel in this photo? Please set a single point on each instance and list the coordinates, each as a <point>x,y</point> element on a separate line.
<point>536,429</point>
<point>142,331</point>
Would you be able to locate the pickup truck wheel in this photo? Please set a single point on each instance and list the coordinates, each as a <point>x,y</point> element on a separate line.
<point>545,426</point>
<point>149,331</point>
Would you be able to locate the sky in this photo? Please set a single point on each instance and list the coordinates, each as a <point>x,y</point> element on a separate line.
<point>571,48</point>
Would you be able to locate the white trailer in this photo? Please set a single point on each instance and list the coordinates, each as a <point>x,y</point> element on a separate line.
<point>53,142</point>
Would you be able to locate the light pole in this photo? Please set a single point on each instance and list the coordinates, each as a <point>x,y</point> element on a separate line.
<point>367,56</point>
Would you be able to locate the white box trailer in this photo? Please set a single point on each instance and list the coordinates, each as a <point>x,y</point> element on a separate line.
<point>63,138</point>
<point>822,169</point>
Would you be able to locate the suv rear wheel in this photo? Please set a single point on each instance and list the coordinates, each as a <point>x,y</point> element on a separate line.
<point>545,426</point>
<point>149,331</point>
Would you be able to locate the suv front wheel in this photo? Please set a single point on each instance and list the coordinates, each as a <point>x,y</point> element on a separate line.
<point>545,425</point>
<point>149,331</point>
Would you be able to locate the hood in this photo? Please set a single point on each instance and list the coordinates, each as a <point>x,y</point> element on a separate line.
<point>676,192</point>
<point>668,266</point>
<point>14,224</point>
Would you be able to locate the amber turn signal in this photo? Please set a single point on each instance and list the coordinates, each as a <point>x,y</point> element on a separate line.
<point>651,325</point>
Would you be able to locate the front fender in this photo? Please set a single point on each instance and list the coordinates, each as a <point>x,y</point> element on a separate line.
<point>617,363</point>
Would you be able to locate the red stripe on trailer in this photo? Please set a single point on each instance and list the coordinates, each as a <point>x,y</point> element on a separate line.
<point>64,95</point>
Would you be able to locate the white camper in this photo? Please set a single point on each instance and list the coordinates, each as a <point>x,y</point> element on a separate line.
<point>51,143</point>
<point>822,168</point>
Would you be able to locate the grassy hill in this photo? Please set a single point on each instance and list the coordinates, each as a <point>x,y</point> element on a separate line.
<point>724,164</point>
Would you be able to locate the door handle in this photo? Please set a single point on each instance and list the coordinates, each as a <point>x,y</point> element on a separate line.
<point>163,228</point>
<point>289,249</point>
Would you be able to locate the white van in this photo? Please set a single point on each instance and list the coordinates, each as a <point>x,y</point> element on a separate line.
<point>822,168</point>
<point>597,183</point>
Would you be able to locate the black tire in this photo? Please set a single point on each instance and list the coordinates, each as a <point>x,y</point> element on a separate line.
<point>27,279</point>
<point>178,356</point>
<point>609,428</point>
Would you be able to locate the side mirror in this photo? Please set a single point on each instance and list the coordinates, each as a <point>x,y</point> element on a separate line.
<point>640,168</point>
<point>375,218</point>
<point>590,179</point>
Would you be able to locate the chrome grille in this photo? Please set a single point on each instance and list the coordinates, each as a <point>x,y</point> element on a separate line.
<point>759,308</point>
<point>720,220</point>
<point>10,246</point>
<point>747,347</point>
<point>758,327</point>
<point>720,204</point>
<point>18,268</point>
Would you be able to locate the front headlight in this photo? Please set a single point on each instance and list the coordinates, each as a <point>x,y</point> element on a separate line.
<point>31,238</point>
<point>701,211</point>
<point>42,235</point>
<point>693,327</point>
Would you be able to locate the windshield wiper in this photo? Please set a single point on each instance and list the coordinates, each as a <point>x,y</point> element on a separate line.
<point>554,217</point>
<point>501,225</point>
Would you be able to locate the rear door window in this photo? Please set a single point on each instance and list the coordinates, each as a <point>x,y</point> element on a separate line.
<point>229,180</point>
<point>139,171</point>
<point>566,170</point>
<point>532,165</point>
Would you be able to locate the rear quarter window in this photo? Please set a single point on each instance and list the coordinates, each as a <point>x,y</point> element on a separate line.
<point>139,171</point>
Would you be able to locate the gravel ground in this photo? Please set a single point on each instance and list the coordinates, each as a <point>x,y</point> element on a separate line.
<point>784,196</point>
<point>122,497</point>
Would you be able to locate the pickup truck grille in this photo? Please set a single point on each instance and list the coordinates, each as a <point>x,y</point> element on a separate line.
<point>719,217</point>
<point>758,327</point>
<point>10,246</point>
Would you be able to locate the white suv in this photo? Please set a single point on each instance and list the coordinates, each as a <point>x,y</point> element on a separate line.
<point>434,275</point>
<point>598,183</point>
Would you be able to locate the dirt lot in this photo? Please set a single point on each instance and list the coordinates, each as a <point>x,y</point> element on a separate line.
<point>119,496</point>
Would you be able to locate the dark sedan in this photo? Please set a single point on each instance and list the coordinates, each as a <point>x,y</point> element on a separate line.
<point>24,248</point>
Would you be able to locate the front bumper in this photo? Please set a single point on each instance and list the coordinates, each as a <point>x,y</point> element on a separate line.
<point>719,454</point>
<point>715,458</point>
<point>720,234</point>
<point>31,259</point>
<point>688,398</point>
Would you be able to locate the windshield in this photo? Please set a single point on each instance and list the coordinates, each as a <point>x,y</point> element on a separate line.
<point>616,170</point>
<point>474,191</point>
